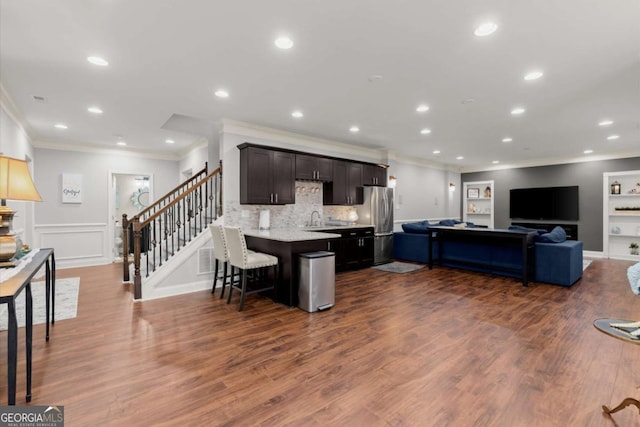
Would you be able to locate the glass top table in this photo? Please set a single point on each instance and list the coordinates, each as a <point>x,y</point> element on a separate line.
<point>622,333</point>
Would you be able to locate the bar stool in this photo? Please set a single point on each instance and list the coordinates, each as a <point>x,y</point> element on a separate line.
<point>221,255</point>
<point>243,259</point>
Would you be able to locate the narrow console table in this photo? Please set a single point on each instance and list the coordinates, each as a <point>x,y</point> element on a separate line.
<point>604,326</point>
<point>486,240</point>
<point>9,290</point>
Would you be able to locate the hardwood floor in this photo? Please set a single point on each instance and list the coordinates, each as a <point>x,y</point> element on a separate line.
<point>427,348</point>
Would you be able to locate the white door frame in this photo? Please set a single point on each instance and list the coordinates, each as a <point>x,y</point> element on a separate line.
<point>111,205</point>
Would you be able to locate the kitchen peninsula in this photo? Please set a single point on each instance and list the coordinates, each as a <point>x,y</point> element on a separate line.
<point>286,244</point>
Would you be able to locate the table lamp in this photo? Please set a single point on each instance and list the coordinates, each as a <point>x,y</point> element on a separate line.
<point>15,184</point>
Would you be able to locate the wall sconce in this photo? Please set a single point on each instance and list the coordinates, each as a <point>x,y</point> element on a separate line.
<point>15,184</point>
<point>615,187</point>
<point>392,181</point>
<point>452,187</point>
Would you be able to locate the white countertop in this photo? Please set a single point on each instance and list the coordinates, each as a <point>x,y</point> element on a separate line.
<point>337,227</point>
<point>289,235</point>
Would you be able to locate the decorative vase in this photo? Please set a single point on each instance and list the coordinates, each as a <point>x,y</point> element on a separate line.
<point>634,251</point>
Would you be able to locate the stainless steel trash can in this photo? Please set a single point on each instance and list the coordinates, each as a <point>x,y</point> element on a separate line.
<point>317,281</point>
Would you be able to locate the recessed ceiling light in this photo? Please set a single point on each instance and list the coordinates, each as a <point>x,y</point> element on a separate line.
<point>422,108</point>
<point>96,60</point>
<point>297,114</point>
<point>169,141</point>
<point>611,137</point>
<point>94,110</point>
<point>485,29</point>
<point>507,139</point>
<point>588,151</point>
<point>425,131</point>
<point>495,162</point>
<point>122,143</point>
<point>517,111</point>
<point>375,78</point>
<point>459,158</point>
<point>605,123</point>
<point>354,129</point>
<point>468,101</point>
<point>533,75</point>
<point>60,126</point>
<point>436,151</point>
<point>221,93</point>
<point>283,42</point>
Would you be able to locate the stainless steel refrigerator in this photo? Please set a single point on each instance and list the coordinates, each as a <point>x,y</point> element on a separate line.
<point>377,210</point>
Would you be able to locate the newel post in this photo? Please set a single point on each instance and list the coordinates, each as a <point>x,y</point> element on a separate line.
<point>125,248</point>
<point>137,239</point>
<point>220,193</point>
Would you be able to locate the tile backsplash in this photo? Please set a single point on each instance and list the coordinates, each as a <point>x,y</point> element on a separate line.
<point>308,199</point>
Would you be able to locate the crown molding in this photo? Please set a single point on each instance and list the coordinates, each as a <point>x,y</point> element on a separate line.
<point>102,150</point>
<point>552,161</point>
<point>417,161</point>
<point>297,139</point>
<point>8,105</point>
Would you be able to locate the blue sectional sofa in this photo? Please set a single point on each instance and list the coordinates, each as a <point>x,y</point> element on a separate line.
<point>556,261</point>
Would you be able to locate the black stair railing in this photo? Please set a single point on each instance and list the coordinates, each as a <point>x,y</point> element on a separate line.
<point>161,230</point>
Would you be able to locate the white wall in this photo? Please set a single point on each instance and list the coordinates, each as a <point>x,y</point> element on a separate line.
<point>422,192</point>
<point>82,233</point>
<point>194,160</point>
<point>15,142</point>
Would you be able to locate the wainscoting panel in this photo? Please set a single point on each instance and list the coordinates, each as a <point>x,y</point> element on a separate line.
<point>75,245</point>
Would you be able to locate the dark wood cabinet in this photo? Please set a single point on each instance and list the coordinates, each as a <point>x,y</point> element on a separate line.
<point>313,168</point>
<point>267,177</point>
<point>374,175</point>
<point>346,187</point>
<point>354,249</point>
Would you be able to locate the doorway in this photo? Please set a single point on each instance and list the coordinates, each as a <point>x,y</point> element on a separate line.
<point>130,194</point>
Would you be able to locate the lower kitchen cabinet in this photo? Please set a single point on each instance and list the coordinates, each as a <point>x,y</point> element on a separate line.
<point>354,249</point>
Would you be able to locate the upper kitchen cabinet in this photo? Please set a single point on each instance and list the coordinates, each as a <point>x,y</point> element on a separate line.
<point>313,168</point>
<point>346,188</point>
<point>267,177</point>
<point>374,175</point>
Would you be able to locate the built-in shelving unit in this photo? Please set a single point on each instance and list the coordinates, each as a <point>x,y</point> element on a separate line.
<point>621,227</point>
<point>477,203</point>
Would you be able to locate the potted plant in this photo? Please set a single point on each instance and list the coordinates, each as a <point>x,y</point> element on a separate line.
<point>634,248</point>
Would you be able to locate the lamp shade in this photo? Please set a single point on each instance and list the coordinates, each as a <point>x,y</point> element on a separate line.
<point>16,182</point>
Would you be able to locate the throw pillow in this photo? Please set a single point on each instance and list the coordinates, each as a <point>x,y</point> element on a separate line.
<point>421,227</point>
<point>557,235</point>
<point>633,273</point>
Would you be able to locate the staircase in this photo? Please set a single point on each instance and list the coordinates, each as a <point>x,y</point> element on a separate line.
<point>156,235</point>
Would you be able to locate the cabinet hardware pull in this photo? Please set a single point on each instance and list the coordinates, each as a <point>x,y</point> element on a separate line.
<point>271,198</point>
<point>276,197</point>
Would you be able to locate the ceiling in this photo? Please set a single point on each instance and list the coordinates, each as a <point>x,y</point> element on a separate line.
<point>368,63</point>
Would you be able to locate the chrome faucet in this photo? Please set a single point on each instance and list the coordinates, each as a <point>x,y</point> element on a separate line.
<point>311,224</point>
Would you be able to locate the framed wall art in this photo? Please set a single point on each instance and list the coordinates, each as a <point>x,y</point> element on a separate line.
<point>473,193</point>
<point>71,188</point>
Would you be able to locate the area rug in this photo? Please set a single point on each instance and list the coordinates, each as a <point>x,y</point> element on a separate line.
<point>585,263</point>
<point>66,302</point>
<point>398,267</point>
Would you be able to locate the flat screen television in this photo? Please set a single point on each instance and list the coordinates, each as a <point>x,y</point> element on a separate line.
<point>548,203</point>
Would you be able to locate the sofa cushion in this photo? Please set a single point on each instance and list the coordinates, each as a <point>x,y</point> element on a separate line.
<point>421,227</point>
<point>557,235</point>
<point>633,273</point>
<point>558,263</point>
